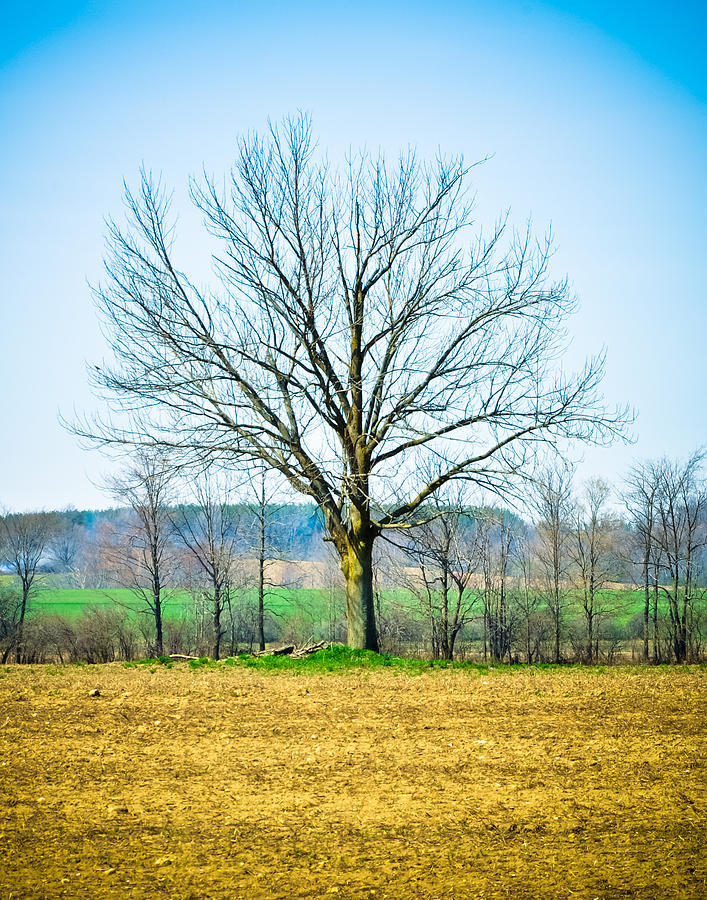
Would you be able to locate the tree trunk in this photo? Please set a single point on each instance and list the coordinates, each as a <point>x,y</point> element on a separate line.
<point>261,565</point>
<point>233,644</point>
<point>656,644</point>
<point>646,609</point>
<point>445,648</point>
<point>678,647</point>
<point>683,623</point>
<point>556,572</point>
<point>453,640</point>
<point>261,603</point>
<point>159,646</point>
<point>528,651</point>
<point>357,567</point>
<point>155,559</point>
<point>504,646</point>
<point>217,623</point>
<point>21,625</point>
<point>590,619</point>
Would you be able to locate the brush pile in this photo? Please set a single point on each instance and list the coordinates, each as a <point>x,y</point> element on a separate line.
<point>293,651</point>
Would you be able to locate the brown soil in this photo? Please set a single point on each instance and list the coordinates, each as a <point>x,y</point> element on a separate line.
<point>228,783</point>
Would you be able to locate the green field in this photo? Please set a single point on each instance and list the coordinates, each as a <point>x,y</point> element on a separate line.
<point>620,605</point>
<point>73,602</point>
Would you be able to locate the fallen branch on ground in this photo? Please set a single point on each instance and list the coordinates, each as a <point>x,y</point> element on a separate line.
<point>293,651</point>
<point>310,648</point>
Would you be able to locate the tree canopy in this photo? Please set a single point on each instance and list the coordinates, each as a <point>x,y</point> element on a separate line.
<point>363,338</point>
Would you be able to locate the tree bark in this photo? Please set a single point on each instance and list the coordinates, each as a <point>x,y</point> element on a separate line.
<point>159,645</point>
<point>217,622</point>
<point>590,618</point>
<point>261,594</point>
<point>357,566</point>
<point>646,610</point>
<point>157,598</point>
<point>446,645</point>
<point>21,625</point>
<point>656,643</point>
<point>556,599</point>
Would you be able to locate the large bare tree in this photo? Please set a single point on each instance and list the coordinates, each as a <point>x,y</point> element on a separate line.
<point>362,332</point>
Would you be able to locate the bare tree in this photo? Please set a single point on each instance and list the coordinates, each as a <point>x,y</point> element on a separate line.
<point>442,550</point>
<point>142,556</point>
<point>528,598</point>
<point>593,550</point>
<point>263,511</point>
<point>681,533</point>
<point>641,500</point>
<point>360,329</point>
<point>25,541</point>
<point>483,538</point>
<point>209,528</point>
<point>552,499</point>
<point>10,607</point>
<point>498,612</point>
<point>66,546</point>
<point>496,532</point>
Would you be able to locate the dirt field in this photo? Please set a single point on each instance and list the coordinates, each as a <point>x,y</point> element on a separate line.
<point>227,783</point>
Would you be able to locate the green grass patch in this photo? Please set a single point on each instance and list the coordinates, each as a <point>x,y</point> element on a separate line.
<point>340,658</point>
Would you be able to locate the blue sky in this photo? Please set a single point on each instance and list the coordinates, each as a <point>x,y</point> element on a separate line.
<point>595,115</point>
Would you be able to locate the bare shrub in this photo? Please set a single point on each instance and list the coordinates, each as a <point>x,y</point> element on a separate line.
<point>180,636</point>
<point>10,601</point>
<point>299,627</point>
<point>60,638</point>
<point>400,631</point>
<point>35,646</point>
<point>103,635</point>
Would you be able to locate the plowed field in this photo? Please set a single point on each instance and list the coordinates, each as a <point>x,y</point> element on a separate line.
<point>228,782</point>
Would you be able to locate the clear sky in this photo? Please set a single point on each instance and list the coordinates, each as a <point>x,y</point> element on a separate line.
<point>595,114</point>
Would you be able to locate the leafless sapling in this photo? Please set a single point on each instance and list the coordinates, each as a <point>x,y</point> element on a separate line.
<point>25,541</point>
<point>210,528</point>
<point>552,502</point>
<point>142,555</point>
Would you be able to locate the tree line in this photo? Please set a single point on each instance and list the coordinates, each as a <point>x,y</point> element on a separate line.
<point>549,585</point>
